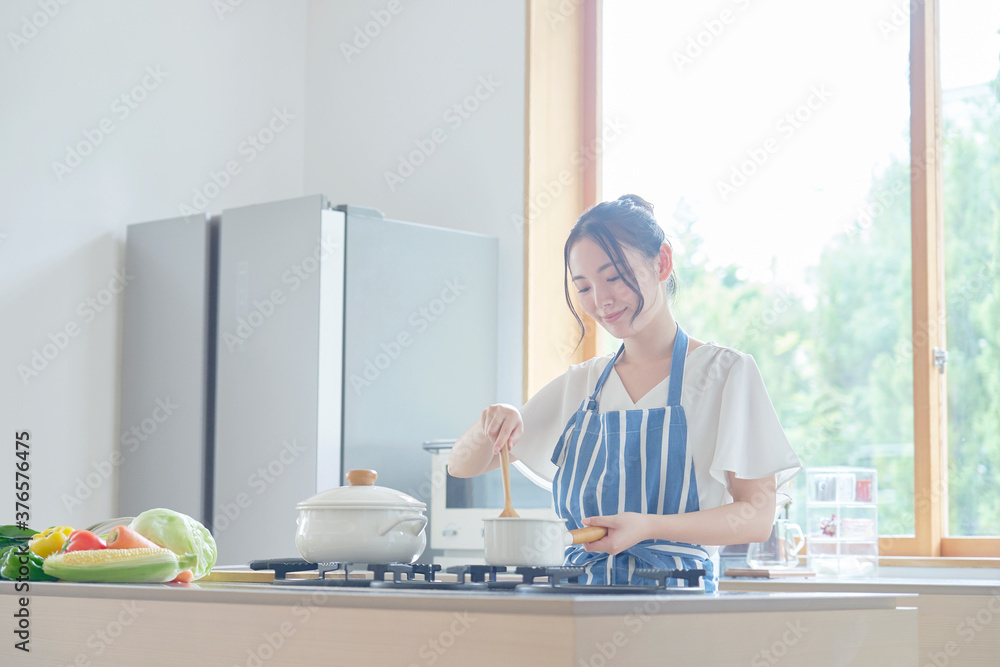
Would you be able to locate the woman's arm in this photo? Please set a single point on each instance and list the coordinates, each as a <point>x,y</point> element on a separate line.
<point>475,452</point>
<point>747,519</point>
<point>472,455</point>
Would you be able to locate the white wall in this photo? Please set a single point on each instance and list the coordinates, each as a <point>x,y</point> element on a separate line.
<point>371,100</point>
<point>63,238</point>
<point>62,232</point>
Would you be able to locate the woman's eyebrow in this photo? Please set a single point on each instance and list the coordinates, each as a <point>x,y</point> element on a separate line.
<point>575,278</point>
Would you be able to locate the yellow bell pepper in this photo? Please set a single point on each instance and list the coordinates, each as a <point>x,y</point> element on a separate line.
<point>49,541</point>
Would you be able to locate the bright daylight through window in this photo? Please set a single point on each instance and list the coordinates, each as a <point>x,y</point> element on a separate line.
<point>773,139</point>
<point>971,117</point>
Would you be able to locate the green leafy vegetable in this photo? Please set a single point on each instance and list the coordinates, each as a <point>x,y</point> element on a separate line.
<point>181,534</point>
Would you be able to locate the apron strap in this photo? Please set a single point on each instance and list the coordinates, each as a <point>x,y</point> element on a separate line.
<point>676,371</point>
<point>592,402</point>
<point>677,367</point>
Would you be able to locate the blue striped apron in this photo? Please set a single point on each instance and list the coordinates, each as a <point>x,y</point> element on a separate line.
<point>630,461</point>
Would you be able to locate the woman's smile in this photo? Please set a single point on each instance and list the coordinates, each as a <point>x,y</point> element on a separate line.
<point>614,317</point>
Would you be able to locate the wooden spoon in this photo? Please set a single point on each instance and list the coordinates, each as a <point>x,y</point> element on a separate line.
<point>508,507</point>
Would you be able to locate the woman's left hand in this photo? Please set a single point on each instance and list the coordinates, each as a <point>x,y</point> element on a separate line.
<point>624,530</point>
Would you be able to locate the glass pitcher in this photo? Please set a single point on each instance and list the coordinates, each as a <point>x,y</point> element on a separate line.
<point>780,550</point>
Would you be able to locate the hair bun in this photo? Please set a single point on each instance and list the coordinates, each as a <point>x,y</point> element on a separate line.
<point>637,201</point>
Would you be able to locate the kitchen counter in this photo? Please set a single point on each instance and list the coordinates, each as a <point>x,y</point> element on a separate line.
<point>892,585</point>
<point>473,602</point>
<point>957,618</point>
<point>247,624</point>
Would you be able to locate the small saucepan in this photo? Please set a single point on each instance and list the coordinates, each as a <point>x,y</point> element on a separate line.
<point>523,542</point>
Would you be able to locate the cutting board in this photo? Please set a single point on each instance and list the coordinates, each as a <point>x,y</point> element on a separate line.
<point>243,574</point>
<point>769,574</point>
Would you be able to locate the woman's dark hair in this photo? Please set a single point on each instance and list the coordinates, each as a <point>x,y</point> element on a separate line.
<point>626,221</point>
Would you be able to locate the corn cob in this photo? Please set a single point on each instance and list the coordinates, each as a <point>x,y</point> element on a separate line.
<point>143,565</point>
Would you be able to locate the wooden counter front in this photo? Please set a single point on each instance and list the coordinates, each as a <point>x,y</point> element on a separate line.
<point>252,625</point>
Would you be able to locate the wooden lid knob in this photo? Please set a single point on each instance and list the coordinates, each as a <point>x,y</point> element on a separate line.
<point>361,477</point>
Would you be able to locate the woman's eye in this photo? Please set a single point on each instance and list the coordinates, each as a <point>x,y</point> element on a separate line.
<point>582,290</point>
<point>611,280</point>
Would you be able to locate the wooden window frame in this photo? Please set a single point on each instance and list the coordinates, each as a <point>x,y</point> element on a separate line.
<point>563,113</point>
<point>562,94</point>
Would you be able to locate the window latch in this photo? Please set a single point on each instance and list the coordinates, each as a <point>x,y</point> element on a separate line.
<point>940,359</point>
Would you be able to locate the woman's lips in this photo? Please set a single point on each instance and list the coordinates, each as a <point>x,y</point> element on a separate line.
<point>613,317</point>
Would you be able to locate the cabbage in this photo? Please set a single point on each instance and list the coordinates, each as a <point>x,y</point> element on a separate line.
<point>181,534</point>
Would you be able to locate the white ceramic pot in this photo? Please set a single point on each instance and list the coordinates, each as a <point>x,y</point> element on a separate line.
<point>361,523</point>
<point>524,542</point>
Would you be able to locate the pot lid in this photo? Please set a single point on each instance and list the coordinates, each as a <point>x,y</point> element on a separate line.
<point>362,493</point>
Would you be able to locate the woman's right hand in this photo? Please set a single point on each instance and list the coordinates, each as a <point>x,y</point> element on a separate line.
<point>475,451</point>
<point>501,423</point>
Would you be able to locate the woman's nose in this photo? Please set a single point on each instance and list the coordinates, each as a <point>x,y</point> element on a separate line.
<point>603,296</point>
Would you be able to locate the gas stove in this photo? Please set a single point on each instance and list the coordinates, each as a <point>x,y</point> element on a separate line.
<point>474,578</point>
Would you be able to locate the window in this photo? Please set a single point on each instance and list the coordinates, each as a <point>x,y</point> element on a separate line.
<point>786,190</point>
<point>792,153</point>
<point>971,180</point>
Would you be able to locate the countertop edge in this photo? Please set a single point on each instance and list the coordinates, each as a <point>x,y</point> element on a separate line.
<point>575,605</point>
<point>900,586</point>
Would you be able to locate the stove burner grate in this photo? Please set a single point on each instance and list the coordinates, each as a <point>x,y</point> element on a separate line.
<point>423,576</point>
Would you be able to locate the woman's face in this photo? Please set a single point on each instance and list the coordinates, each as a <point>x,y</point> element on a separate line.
<point>605,296</point>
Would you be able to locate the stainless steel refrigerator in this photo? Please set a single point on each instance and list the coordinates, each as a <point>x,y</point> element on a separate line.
<point>341,340</point>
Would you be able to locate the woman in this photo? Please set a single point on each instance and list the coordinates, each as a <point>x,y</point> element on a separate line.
<point>672,444</point>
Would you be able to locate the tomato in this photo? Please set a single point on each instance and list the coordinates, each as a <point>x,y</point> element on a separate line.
<point>83,540</point>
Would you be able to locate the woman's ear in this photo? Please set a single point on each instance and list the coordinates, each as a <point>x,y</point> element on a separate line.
<point>666,262</point>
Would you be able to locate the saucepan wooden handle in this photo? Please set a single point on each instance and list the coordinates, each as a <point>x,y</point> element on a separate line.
<point>588,534</point>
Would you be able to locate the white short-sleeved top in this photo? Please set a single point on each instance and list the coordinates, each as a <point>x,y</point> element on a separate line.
<point>731,423</point>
